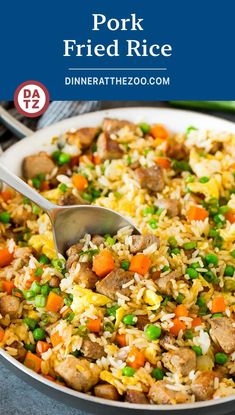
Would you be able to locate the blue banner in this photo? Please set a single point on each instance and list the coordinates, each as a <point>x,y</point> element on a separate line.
<point>150,50</point>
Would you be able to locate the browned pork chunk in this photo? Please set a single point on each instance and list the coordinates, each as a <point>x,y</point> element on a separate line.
<point>79,374</point>
<point>223,333</point>
<point>164,283</point>
<point>83,137</point>
<point>141,242</point>
<point>181,361</point>
<point>108,149</point>
<point>69,199</point>
<point>21,351</point>
<point>113,282</point>
<point>112,125</point>
<point>97,240</point>
<point>37,164</point>
<point>106,391</point>
<point>10,305</point>
<point>150,178</point>
<point>160,394</point>
<point>73,254</point>
<point>176,150</point>
<point>85,276</point>
<point>203,386</point>
<point>172,206</point>
<point>135,397</point>
<point>142,321</point>
<point>92,350</point>
<point>54,281</point>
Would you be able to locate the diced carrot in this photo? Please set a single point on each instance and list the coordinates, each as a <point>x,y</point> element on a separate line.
<point>163,162</point>
<point>94,325</point>
<point>103,263</point>
<point>181,311</point>
<point>7,286</point>
<point>197,321</point>
<point>79,181</point>
<point>74,161</point>
<point>6,195</point>
<point>121,340</point>
<point>230,216</point>
<point>42,347</point>
<point>54,302</point>
<point>30,281</point>
<point>140,263</point>
<point>48,377</point>
<point>177,326</point>
<point>218,305</point>
<point>1,334</point>
<point>56,339</point>
<point>136,358</point>
<point>159,131</point>
<point>96,159</point>
<point>44,186</point>
<point>197,213</point>
<point>33,362</point>
<point>5,257</point>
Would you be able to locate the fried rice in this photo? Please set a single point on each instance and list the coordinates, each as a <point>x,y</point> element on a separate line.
<point>144,319</point>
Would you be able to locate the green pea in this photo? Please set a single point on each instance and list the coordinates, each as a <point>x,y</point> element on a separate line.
<point>216,315</point>
<point>40,301</point>
<point>128,371</point>
<point>58,264</point>
<point>145,127</point>
<point>45,289</point>
<point>125,264</point>
<point>204,179</point>
<point>82,331</point>
<point>221,358</point>
<point>219,219</point>
<point>30,322</point>
<point>39,334</point>
<point>210,276</point>
<point>76,353</point>
<point>63,158</point>
<point>229,271</point>
<point>190,245</point>
<point>232,253</point>
<point>149,210</point>
<point>87,196</point>
<point>28,295</point>
<point>195,265</point>
<point>165,268</point>
<point>111,311</point>
<point>211,259</point>
<point>110,241</point>
<point>223,209</point>
<point>175,251</point>
<point>36,287</point>
<point>179,299</point>
<point>192,273</point>
<point>218,241</point>
<point>5,217</point>
<point>43,259</point>
<point>36,183</point>
<point>63,188</point>
<point>153,223</point>
<point>30,347</point>
<point>197,350</point>
<point>181,165</point>
<point>172,242</point>
<point>130,319</point>
<point>55,155</point>
<point>96,193</point>
<point>152,332</point>
<point>157,373</point>
<point>201,302</point>
<point>188,334</point>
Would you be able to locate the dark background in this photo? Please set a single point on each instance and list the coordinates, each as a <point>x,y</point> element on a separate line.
<point>17,397</point>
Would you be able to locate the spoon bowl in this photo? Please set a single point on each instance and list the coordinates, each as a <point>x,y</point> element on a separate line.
<point>70,223</point>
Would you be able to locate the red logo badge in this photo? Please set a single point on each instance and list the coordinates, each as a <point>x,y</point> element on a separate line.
<point>31,99</point>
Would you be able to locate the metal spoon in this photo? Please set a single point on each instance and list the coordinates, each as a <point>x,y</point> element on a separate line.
<point>70,223</point>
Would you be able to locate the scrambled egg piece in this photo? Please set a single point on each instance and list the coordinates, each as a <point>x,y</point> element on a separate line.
<point>209,189</point>
<point>82,297</point>
<point>203,166</point>
<point>119,316</point>
<point>43,243</point>
<point>152,299</point>
<point>53,195</point>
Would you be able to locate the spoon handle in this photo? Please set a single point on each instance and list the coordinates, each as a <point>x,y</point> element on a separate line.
<point>20,186</point>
